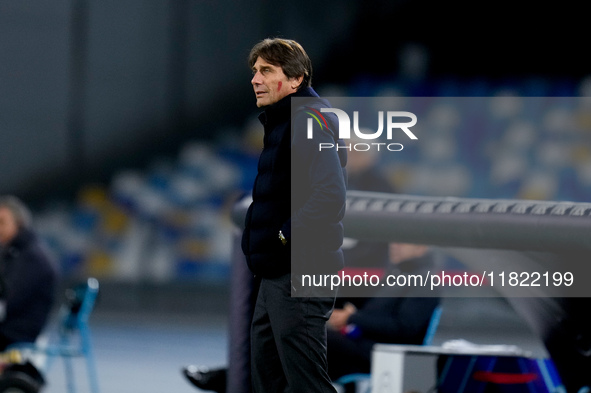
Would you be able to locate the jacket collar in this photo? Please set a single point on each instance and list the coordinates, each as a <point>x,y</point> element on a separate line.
<point>23,238</point>
<point>280,111</point>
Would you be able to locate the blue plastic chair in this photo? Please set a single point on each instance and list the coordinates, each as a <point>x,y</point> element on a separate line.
<point>433,325</point>
<point>359,378</point>
<point>72,338</point>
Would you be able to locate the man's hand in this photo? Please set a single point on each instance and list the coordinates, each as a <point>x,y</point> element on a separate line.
<point>340,316</point>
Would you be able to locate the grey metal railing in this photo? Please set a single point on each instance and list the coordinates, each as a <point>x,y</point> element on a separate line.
<point>464,222</point>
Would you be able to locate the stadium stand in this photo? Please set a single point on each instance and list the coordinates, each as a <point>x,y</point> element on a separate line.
<point>510,139</point>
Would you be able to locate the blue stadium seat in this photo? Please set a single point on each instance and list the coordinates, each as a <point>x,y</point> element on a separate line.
<point>71,337</point>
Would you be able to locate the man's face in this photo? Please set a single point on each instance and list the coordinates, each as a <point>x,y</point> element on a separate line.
<point>270,83</point>
<point>8,226</point>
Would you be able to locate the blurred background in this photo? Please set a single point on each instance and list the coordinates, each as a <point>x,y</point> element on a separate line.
<point>130,129</point>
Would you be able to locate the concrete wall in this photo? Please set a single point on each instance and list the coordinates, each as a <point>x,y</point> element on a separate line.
<point>82,96</point>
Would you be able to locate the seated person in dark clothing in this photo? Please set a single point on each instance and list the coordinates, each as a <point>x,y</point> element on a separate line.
<point>27,276</point>
<point>398,314</point>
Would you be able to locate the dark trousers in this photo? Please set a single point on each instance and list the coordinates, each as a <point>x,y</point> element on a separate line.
<point>288,340</point>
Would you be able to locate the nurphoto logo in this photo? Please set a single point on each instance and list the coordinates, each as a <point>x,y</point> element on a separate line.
<point>393,123</point>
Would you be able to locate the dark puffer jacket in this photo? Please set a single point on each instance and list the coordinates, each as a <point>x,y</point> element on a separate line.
<point>28,281</point>
<point>306,204</point>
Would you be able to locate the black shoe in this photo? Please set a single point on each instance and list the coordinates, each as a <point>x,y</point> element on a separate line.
<point>207,379</point>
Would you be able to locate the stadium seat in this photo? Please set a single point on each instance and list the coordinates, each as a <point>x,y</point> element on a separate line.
<point>71,338</point>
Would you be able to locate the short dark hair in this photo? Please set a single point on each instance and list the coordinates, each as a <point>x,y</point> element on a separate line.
<point>287,54</point>
<point>20,212</point>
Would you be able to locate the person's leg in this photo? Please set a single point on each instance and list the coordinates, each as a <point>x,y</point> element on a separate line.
<point>347,356</point>
<point>243,295</point>
<point>299,328</point>
<point>267,373</point>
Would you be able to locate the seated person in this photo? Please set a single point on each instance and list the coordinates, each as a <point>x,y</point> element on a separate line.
<point>397,314</point>
<point>27,276</point>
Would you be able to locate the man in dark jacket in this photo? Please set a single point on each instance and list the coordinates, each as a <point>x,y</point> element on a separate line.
<point>293,224</point>
<point>27,277</point>
<point>397,314</point>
